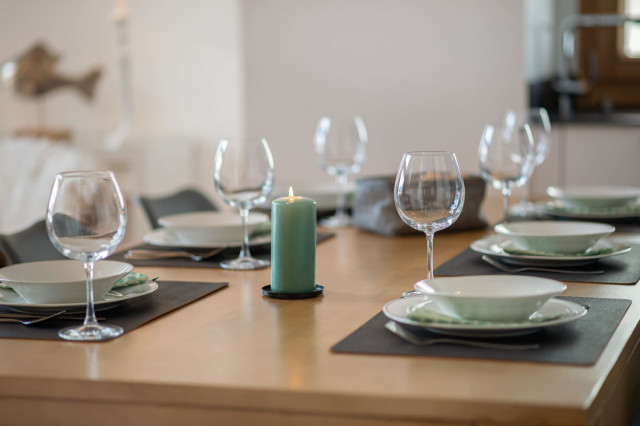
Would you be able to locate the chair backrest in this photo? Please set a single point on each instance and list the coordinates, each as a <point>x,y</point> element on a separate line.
<point>188,200</point>
<point>33,244</point>
<point>29,245</point>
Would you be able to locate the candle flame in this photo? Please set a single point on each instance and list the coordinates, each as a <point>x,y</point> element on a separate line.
<point>291,194</point>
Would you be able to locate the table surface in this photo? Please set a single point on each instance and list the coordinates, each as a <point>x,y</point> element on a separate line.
<point>237,357</point>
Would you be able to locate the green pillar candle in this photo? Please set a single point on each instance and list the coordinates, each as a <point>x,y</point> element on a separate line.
<point>293,244</point>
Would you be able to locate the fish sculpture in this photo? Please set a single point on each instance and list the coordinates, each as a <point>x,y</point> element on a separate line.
<point>35,74</point>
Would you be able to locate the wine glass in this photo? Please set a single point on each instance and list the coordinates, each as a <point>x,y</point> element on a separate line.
<point>506,158</point>
<point>540,125</point>
<point>243,174</point>
<point>429,193</point>
<point>86,220</point>
<point>340,148</point>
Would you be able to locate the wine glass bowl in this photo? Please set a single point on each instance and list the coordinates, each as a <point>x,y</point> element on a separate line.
<point>244,177</point>
<point>541,131</point>
<point>429,193</point>
<point>86,220</point>
<point>340,148</point>
<point>506,158</point>
<point>540,125</point>
<point>431,217</point>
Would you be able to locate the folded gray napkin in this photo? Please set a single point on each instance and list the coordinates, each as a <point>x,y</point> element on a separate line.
<point>374,209</point>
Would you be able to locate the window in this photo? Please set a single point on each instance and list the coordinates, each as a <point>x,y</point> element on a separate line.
<point>631,35</point>
<point>610,58</point>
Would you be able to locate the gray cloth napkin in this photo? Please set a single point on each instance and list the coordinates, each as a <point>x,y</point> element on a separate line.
<point>374,209</point>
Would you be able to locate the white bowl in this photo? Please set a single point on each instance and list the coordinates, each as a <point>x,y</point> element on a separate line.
<point>498,298</point>
<point>61,281</point>
<point>210,227</point>
<point>594,196</point>
<point>547,236</point>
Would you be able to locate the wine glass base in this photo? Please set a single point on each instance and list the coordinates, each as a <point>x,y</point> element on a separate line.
<point>244,263</point>
<point>336,221</point>
<point>91,332</point>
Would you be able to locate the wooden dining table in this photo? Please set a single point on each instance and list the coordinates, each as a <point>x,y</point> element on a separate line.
<point>236,357</point>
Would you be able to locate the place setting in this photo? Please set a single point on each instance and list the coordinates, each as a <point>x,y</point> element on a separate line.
<point>220,239</point>
<point>49,295</point>
<point>86,298</point>
<point>563,250</point>
<point>203,240</point>
<point>511,151</point>
<point>515,317</point>
<point>567,249</point>
<point>616,204</point>
<point>200,239</point>
<point>504,317</point>
<point>59,285</point>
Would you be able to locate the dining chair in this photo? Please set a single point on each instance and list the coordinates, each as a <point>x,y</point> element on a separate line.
<point>29,245</point>
<point>186,200</point>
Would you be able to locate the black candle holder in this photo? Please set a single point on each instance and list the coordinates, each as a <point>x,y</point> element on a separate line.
<point>266,291</point>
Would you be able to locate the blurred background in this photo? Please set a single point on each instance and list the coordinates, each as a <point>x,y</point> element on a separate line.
<point>176,76</point>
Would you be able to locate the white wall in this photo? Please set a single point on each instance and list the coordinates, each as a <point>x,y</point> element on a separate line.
<point>424,74</point>
<point>186,66</point>
<point>187,82</point>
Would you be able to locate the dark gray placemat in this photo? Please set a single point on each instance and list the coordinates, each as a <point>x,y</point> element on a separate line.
<point>129,315</point>
<point>577,342</point>
<point>259,252</point>
<point>621,269</point>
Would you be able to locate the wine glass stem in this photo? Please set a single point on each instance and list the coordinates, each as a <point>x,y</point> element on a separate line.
<point>90,317</point>
<point>506,193</point>
<point>526,188</point>
<point>429,255</point>
<point>341,208</point>
<point>244,252</point>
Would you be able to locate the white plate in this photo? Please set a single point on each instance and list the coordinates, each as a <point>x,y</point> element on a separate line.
<point>163,238</point>
<point>492,246</point>
<point>594,196</point>
<point>11,299</point>
<point>567,311</point>
<point>558,209</point>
